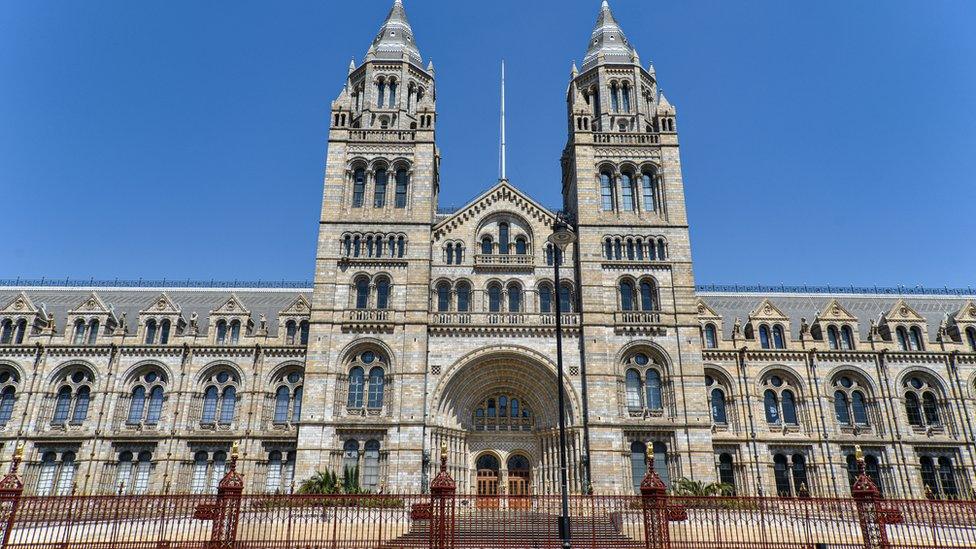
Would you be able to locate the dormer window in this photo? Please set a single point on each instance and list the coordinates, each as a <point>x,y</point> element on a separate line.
<point>910,339</point>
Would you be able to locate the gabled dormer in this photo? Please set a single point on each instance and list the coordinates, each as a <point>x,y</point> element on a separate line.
<point>89,321</point>
<point>19,320</point>
<point>964,326</point>
<point>293,322</point>
<point>230,322</point>
<point>768,326</point>
<point>711,325</point>
<point>160,321</point>
<point>836,326</point>
<point>904,327</point>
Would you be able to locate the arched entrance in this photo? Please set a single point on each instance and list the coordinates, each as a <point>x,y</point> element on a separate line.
<point>519,480</point>
<point>487,479</point>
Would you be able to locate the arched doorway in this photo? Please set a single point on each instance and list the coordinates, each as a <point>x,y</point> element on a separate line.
<point>487,479</point>
<point>519,480</point>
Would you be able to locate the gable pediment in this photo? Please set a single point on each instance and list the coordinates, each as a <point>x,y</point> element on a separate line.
<point>231,307</point>
<point>767,311</point>
<point>502,196</point>
<point>21,304</point>
<point>836,312</point>
<point>705,312</point>
<point>300,306</point>
<point>966,313</point>
<point>162,305</point>
<point>91,305</point>
<point>903,312</point>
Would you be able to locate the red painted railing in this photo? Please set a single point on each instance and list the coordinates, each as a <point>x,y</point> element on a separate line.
<point>444,519</point>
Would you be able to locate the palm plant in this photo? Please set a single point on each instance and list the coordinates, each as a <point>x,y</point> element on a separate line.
<point>697,488</point>
<point>321,483</point>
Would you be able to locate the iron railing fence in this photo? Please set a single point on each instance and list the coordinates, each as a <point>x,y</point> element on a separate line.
<point>344,521</point>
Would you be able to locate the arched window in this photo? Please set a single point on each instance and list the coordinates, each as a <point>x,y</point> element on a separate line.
<point>764,336</point>
<point>380,93</point>
<point>661,462</point>
<point>393,88</point>
<point>913,410</point>
<point>902,334</point>
<point>137,405</point>
<point>228,403</point>
<point>45,479</point>
<point>463,291</point>
<point>494,298</point>
<point>779,341</point>
<point>726,470</point>
<point>458,253</point>
<point>606,191</point>
<point>402,182</point>
<point>711,337</point>
<point>931,408</point>
<point>356,386</point>
<point>92,332</point>
<point>859,407</point>
<point>362,292</point>
<point>627,198</point>
<point>8,397</point>
<point>661,249</point>
<point>626,296</point>
<point>565,298</point>
<point>273,483</point>
<point>66,477</point>
<point>6,332</point>
<point>503,238</point>
<point>198,482</point>
<point>648,292</point>
<point>648,191</point>
<point>782,476</point>
<point>486,246</point>
<point>288,398</point>
<point>626,97</point>
<point>376,381</point>
<point>514,298</point>
<point>401,246</point>
<point>209,404</point>
<point>521,247</point>
<point>155,405</point>
<point>846,338</point>
<point>123,474</point>
<point>653,390</point>
<point>614,98</point>
<point>841,408</point>
<point>379,188</point>
<point>21,331</point>
<point>800,474</point>
<point>291,328</point>
<point>947,478</point>
<point>633,382</point>
<point>358,187</point>
<point>545,298</point>
<point>443,297</point>
<point>833,339</point>
<point>971,336</point>
<point>449,253</point>
<point>638,463</point>
<point>79,334</point>
<point>383,293</point>
<point>789,408</point>
<point>771,405</point>
<point>371,465</point>
<point>150,332</point>
<point>719,415</point>
<point>282,402</point>
<point>235,331</point>
<point>218,470</point>
<point>350,457</point>
<point>607,251</point>
<point>164,332</point>
<point>915,340</point>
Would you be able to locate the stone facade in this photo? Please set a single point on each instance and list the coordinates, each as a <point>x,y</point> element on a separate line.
<point>426,328</point>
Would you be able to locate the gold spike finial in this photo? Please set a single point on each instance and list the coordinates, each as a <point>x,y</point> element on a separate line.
<point>19,451</point>
<point>858,454</point>
<point>234,450</point>
<point>443,450</point>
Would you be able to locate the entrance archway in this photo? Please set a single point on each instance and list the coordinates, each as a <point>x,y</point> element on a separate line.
<point>519,480</point>
<point>487,479</point>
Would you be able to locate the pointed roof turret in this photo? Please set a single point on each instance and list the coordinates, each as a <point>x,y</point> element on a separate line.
<point>608,41</point>
<point>395,38</point>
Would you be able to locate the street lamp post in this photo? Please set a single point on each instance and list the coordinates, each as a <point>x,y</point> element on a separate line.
<point>560,238</point>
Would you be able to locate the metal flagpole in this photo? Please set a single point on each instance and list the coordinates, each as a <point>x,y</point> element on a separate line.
<point>502,176</point>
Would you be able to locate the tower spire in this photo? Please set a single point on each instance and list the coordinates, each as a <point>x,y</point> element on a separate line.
<point>395,38</point>
<point>607,42</point>
<point>502,176</point>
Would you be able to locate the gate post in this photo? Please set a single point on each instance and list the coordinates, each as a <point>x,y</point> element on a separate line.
<point>654,504</point>
<point>229,493</point>
<point>442,489</point>
<point>11,489</point>
<point>867,501</point>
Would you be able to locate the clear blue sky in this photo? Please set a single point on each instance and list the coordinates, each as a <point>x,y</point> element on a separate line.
<point>822,142</point>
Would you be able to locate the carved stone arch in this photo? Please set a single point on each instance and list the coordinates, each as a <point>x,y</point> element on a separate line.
<point>515,281</point>
<point>721,377</point>
<point>517,355</point>
<point>12,366</point>
<point>61,370</point>
<point>357,162</point>
<point>381,275</point>
<point>606,166</point>
<point>434,284</point>
<point>657,354</point>
<point>934,379</point>
<point>212,366</point>
<point>348,353</point>
<point>399,163</point>
<point>650,166</point>
<point>465,280</point>
<point>860,374</point>
<point>133,372</point>
<point>971,384</point>
<point>280,370</point>
<point>794,377</point>
<point>628,166</point>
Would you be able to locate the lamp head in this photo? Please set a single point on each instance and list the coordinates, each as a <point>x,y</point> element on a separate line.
<point>562,235</point>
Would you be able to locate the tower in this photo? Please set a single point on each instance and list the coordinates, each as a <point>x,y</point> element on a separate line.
<point>367,345</point>
<point>622,187</point>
